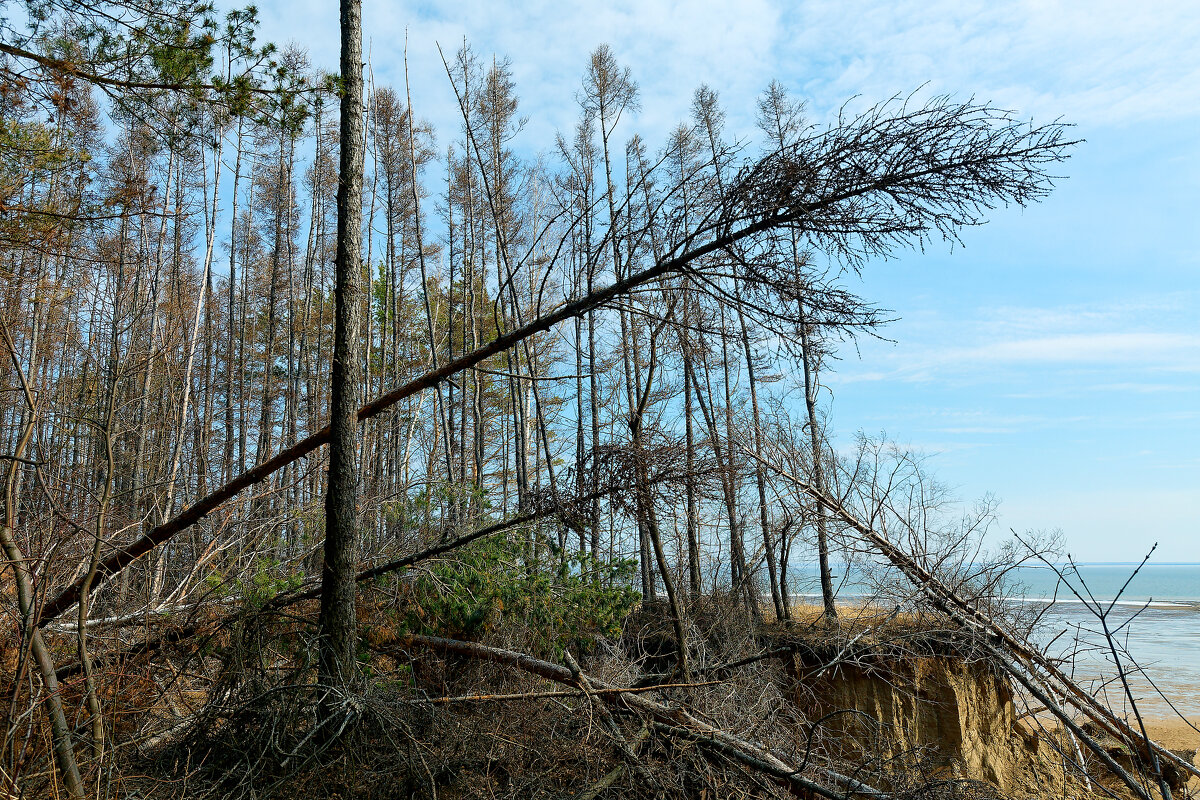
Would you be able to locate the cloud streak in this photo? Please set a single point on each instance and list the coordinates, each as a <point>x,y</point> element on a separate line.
<point>1160,352</point>
<point>1110,348</point>
<point>1108,342</point>
<point>1098,63</point>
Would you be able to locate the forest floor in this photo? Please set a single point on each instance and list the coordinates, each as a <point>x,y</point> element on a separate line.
<point>901,700</point>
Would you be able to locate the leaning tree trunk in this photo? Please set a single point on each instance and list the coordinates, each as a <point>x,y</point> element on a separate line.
<point>338,640</point>
<point>25,592</point>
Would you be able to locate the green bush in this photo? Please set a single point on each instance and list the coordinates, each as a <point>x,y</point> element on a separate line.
<point>269,578</point>
<point>566,603</point>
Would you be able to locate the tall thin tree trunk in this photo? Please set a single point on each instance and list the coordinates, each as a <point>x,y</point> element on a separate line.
<point>266,423</point>
<point>760,478</point>
<point>814,434</point>
<point>338,630</point>
<point>737,537</point>
<point>693,512</point>
<point>141,469</point>
<point>416,195</point>
<point>210,236</point>
<point>231,310</point>
<point>738,556</point>
<point>775,128</point>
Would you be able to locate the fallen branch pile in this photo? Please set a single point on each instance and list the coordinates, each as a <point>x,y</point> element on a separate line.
<point>1030,668</point>
<point>673,720</point>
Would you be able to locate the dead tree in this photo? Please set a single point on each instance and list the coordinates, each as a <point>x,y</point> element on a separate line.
<point>892,176</point>
<point>1033,670</point>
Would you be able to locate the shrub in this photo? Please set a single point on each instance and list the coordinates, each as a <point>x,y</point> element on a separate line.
<point>566,603</point>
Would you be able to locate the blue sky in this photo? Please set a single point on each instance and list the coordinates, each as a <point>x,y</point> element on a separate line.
<point>1054,358</point>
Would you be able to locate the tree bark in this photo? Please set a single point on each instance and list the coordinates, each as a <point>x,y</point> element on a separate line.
<point>338,631</point>
<point>1012,171</point>
<point>760,479</point>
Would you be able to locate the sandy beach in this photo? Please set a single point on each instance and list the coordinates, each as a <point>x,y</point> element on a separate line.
<point>1175,734</point>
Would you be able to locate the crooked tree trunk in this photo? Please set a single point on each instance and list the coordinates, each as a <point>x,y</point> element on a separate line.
<point>60,732</point>
<point>647,518</point>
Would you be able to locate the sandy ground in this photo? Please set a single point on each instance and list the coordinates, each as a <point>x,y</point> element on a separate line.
<point>1175,734</point>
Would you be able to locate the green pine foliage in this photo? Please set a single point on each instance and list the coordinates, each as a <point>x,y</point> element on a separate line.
<point>565,603</point>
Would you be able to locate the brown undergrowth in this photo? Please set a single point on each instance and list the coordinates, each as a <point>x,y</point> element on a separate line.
<point>900,704</point>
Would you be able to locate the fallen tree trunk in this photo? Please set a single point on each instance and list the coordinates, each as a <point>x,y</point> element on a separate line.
<point>669,719</point>
<point>178,634</point>
<point>160,534</point>
<point>993,635</point>
<point>963,158</point>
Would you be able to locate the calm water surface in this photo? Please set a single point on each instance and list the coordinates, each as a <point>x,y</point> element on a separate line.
<point>1157,620</point>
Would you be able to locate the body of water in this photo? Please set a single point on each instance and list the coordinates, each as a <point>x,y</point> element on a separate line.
<point>1156,583</point>
<point>1156,621</point>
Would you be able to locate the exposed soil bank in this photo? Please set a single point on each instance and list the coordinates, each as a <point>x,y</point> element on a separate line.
<point>951,715</point>
<point>897,697</point>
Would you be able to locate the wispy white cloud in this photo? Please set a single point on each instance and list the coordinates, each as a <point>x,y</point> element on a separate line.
<point>1146,345</point>
<point>1125,387</point>
<point>670,47</point>
<point>1026,320</point>
<point>1096,62</point>
<point>1144,388</point>
<point>1100,62</point>
<point>1110,348</point>
<point>1111,351</point>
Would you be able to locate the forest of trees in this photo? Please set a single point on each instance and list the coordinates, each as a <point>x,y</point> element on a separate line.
<point>593,375</point>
